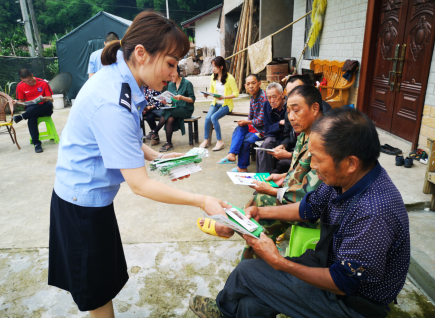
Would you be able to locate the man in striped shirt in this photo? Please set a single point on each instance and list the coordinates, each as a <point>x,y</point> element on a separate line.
<point>248,131</point>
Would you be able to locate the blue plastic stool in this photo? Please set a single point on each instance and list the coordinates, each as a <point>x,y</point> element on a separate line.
<point>51,133</point>
<point>301,239</point>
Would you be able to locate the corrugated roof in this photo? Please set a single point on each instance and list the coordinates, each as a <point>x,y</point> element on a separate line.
<point>199,16</point>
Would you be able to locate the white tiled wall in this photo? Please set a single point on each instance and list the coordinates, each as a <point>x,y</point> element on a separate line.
<point>342,36</point>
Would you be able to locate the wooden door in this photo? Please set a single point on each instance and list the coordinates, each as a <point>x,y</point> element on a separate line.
<point>406,22</point>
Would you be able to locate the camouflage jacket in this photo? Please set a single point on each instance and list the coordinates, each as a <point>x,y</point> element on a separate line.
<point>300,179</point>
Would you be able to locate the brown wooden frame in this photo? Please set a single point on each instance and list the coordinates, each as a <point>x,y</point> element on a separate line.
<point>368,54</point>
<point>10,129</point>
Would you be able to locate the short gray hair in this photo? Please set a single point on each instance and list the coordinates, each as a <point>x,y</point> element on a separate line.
<point>275,85</point>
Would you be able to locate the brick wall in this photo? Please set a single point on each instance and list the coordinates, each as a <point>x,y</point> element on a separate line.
<point>342,36</point>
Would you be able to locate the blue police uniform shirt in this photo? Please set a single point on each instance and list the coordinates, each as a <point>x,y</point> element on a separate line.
<point>95,60</point>
<point>102,136</point>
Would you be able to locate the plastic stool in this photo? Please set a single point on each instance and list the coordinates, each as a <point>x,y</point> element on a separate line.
<point>51,133</point>
<point>301,239</point>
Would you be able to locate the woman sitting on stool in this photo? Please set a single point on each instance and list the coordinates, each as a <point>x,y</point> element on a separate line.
<point>152,111</point>
<point>183,109</point>
<point>224,84</point>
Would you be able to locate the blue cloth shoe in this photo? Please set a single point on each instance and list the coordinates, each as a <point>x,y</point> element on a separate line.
<point>236,170</point>
<point>225,161</point>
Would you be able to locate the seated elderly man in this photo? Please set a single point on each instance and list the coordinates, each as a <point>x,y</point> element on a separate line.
<point>360,263</point>
<point>303,108</point>
<point>284,151</point>
<point>248,131</point>
<point>274,120</point>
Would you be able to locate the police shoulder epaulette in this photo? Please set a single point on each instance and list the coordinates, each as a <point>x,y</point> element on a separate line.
<point>125,97</point>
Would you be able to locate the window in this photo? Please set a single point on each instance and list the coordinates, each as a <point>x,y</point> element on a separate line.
<point>313,53</point>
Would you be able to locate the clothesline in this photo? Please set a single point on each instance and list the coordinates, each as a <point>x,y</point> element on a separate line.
<point>273,34</point>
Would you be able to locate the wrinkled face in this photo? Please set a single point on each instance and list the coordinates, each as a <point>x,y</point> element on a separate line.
<point>300,114</point>
<point>154,72</point>
<point>29,80</point>
<point>324,164</point>
<point>275,98</point>
<point>290,86</point>
<point>216,69</point>
<point>252,85</point>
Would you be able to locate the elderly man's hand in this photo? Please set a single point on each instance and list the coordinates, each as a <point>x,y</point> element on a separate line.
<point>265,248</point>
<point>242,122</point>
<point>281,153</point>
<point>277,178</point>
<point>252,212</point>
<point>263,187</point>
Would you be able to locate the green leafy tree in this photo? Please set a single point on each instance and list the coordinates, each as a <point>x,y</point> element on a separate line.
<point>14,45</point>
<point>62,16</point>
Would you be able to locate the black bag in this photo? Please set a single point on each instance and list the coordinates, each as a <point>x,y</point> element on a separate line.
<point>365,306</point>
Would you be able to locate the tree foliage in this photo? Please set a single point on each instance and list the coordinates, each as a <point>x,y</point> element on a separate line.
<point>58,17</point>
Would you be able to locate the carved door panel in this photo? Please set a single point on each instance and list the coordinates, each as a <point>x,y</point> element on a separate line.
<point>390,33</point>
<point>419,48</point>
<point>396,99</point>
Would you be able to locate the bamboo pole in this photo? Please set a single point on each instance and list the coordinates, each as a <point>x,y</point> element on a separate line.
<point>240,46</point>
<point>251,15</point>
<point>245,45</point>
<point>289,25</point>
<point>239,31</point>
<point>235,46</point>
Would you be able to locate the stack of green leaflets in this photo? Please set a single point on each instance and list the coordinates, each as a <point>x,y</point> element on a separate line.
<point>164,166</point>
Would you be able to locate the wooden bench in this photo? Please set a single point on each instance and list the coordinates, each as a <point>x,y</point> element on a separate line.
<point>336,90</point>
<point>192,125</point>
<point>429,179</point>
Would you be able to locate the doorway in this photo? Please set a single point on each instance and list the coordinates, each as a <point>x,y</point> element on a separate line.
<point>397,53</point>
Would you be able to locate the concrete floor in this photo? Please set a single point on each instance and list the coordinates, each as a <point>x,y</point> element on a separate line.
<point>168,257</point>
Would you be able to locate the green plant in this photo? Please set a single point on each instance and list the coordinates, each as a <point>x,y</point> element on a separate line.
<point>50,51</point>
<point>7,89</point>
<point>13,46</point>
<point>53,68</point>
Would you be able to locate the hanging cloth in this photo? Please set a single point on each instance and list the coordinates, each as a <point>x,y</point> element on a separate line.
<point>260,54</point>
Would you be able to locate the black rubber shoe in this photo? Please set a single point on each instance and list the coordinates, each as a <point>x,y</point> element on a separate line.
<point>38,148</point>
<point>399,160</point>
<point>409,162</point>
<point>397,151</point>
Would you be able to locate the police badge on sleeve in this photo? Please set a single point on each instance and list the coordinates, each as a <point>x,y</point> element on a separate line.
<point>125,97</point>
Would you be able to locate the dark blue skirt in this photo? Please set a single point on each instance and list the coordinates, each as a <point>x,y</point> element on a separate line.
<point>86,256</point>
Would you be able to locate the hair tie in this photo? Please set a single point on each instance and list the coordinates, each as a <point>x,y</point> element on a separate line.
<point>120,43</point>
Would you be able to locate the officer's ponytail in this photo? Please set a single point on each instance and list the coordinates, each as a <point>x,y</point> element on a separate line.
<point>156,33</point>
<point>109,53</point>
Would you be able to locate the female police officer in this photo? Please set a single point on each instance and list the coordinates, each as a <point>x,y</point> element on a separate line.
<point>101,146</point>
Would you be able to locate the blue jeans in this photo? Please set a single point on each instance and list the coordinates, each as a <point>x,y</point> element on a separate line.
<point>256,290</point>
<point>214,114</point>
<point>241,144</point>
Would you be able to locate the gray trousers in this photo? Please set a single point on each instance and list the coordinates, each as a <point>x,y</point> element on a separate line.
<point>264,160</point>
<point>256,290</point>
